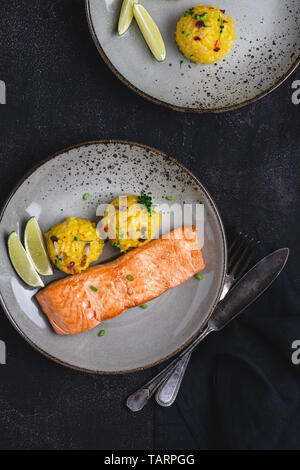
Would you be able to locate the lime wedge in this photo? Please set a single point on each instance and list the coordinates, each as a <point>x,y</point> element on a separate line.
<point>126,16</point>
<point>150,32</point>
<point>21,262</point>
<point>35,247</point>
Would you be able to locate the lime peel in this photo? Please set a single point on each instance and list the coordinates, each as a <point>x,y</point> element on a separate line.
<point>22,262</point>
<point>126,16</point>
<point>35,248</point>
<point>150,32</point>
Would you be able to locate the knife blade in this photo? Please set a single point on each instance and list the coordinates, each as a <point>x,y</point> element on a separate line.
<point>251,286</point>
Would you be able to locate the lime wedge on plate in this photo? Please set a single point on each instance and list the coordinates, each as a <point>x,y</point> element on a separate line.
<point>35,247</point>
<point>126,16</point>
<point>150,32</point>
<point>22,263</point>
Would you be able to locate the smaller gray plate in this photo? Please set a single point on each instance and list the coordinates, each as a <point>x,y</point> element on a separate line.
<point>266,51</point>
<point>138,338</point>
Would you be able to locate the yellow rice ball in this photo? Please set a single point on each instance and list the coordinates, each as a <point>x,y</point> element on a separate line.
<point>128,223</point>
<point>73,244</point>
<point>205,34</point>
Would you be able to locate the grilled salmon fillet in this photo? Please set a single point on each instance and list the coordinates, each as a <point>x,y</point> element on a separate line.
<point>136,277</point>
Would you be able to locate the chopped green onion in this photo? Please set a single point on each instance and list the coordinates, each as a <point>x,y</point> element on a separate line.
<point>146,200</point>
<point>181,62</point>
<point>130,277</point>
<point>189,11</point>
<point>144,306</point>
<point>94,288</point>
<point>101,333</point>
<point>86,196</point>
<point>221,26</point>
<point>77,239</point>
<point>118,230</point>
<point>170,198</point>
<point>198,276</point>
<point>116,245</point>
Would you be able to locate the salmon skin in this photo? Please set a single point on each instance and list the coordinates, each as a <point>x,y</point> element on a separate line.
<point>80,302</point>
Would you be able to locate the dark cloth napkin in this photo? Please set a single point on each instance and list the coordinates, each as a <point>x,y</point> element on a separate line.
<point>241,389</point>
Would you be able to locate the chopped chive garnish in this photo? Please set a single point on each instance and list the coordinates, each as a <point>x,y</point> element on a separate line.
<point>221,25</point>
<point>77,239</point>
<point>120,233</point>
<point>86,196</point>
<point>116,245</point>
<point>101,333</point>
<point>170,198</point>
<point>144,306</point>
<point>181,62</point>
<point>198,276</point>
<point>146,200</point>
<point>93,288</point>
<point>190,11</point>
<point>187,35</point>
<point>130,277</point>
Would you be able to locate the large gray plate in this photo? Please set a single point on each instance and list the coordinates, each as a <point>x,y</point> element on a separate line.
<point>266,51</point>
<point>138,338</point>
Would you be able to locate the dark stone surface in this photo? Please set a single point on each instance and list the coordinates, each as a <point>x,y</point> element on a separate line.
<point>59,93</point>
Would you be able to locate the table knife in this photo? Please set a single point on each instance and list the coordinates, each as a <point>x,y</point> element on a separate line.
<point>243,294</point>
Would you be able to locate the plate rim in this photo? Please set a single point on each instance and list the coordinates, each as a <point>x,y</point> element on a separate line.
<point>182,109</point>
<point>213,206</point>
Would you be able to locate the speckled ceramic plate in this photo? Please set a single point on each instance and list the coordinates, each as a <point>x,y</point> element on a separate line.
<point>138,338</point>
<point>266,51</point>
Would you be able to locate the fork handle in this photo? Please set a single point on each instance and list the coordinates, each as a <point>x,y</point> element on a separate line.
<point>137,400</point>
<point>168,391</point>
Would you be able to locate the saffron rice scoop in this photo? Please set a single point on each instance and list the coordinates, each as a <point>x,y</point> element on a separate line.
<point>205,34</point>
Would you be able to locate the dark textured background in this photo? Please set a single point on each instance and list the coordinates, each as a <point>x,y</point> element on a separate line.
<point>59,93</point>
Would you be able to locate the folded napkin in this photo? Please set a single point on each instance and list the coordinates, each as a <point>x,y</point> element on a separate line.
<point>241,389</point>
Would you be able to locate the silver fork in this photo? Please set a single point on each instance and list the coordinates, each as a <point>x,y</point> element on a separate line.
<point>239,257</point>
<point>168,381</point>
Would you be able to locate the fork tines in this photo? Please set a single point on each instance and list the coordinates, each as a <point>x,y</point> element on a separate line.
<point>239,254</point>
